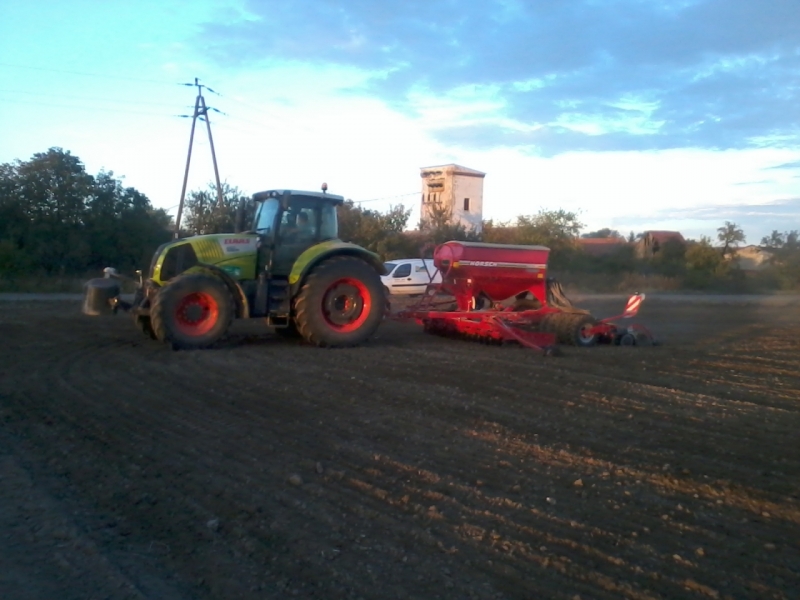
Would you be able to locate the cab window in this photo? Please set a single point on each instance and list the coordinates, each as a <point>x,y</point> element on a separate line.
<point>403,270</point>
<point>389,266</point>
<point>265,221</point>
<point>307,219</point>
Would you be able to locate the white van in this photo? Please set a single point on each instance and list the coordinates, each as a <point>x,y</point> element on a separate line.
<point>410,275</point>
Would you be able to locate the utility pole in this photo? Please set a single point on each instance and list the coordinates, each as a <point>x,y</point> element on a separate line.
<point>201,112</point>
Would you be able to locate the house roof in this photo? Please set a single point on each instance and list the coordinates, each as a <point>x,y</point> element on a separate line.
<point>664,236</point>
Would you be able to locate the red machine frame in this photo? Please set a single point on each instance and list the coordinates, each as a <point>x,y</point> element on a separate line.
<point>483,277</point>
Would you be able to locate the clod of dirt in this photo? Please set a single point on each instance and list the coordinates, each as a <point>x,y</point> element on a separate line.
<point>213,524</point>
<point>700,552</point>
<point>769,546</point>
<point>295,479</point>
<point>320,469</point>
<point>578,483</point>
<point>551,500</point>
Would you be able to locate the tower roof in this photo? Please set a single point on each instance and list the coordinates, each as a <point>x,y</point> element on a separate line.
<point>455,169</point>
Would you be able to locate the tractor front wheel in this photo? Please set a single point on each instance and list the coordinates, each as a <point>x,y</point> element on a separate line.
<point>192,311</point>
<point>341,303</point>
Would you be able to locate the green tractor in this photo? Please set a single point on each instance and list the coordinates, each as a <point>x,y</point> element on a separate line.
<point>289,268</point>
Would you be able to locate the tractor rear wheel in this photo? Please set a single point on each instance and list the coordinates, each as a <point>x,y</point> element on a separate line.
<point>341,303</point>
<point>192,311</point>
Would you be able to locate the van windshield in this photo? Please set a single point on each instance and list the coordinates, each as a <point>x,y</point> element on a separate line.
<point>389,266</point>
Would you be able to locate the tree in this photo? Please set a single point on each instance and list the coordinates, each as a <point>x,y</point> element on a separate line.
<point>785,260</point>
<point>702,256</point>
<point>604,233</point>
<point>556,229</point>
<point>205,214</point>
<point>438,217</point>
<point>779,241</point>
<point>57,218</point>
<point>730,235</point>
<point>380,232</point>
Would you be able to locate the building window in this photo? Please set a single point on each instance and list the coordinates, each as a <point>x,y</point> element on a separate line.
<point>466,204</point>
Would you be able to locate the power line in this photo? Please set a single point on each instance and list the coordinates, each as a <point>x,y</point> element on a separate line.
<point>79,107</point>
<point>242,102</point>
<point>385,198</point>
<point>84,74</point>
<point>90,98</point>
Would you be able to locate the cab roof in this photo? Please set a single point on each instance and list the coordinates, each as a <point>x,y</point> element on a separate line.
<point>333,198</point>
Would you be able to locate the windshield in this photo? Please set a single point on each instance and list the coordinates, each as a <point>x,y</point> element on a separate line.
<point>389,266</point>
<point>265,218</point>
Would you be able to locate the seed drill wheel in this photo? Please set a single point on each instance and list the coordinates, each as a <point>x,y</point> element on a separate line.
<point>580,331</point>
<point>192,311</point>
<point>342,303</point>
<point>570,328</point>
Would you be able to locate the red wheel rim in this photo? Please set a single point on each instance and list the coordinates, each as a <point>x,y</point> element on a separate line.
<point>346,304</point>
<point>196,313</point>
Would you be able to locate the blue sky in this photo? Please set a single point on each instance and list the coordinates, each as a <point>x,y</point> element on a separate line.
<point>637,114</point>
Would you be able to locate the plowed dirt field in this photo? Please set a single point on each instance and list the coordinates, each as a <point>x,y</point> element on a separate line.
<point>412,467</point>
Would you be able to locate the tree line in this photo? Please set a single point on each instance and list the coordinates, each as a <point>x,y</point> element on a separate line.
<point>55,218</point>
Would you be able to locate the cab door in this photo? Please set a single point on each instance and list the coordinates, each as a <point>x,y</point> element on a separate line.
<point>293,238</point>
<point>402,281</point>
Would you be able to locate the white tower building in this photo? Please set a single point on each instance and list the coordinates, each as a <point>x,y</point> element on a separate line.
<point>454,191</point>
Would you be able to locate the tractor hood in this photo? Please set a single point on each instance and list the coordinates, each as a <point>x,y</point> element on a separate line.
<point>235,253</point>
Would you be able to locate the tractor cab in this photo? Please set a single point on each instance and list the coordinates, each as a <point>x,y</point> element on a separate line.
<point>292,215</point>
<point>289,222</point>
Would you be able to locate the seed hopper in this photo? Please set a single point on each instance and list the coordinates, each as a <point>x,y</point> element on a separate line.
<point>495,293</point>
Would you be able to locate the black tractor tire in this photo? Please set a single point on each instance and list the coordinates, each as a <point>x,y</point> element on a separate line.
<point>341,303</point>
<point>192,311</point>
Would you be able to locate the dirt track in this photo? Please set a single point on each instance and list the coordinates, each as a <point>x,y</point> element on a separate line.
<point>414,467</point>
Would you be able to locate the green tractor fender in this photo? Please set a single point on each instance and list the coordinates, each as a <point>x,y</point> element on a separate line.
<point>242,308</point>
<point>309,259</point>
